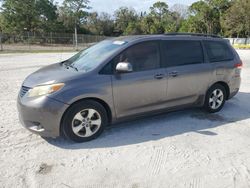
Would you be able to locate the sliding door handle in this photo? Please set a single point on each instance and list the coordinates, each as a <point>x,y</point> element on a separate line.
<point>159,76</point>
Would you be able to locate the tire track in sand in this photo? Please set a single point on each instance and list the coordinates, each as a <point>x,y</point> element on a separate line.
<point>157,162</point>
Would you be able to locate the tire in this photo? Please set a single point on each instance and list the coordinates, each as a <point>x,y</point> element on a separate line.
<point>84,121</point>
<point>215,98</point>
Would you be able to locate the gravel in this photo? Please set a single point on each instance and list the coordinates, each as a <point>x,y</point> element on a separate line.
<point>181,149</point>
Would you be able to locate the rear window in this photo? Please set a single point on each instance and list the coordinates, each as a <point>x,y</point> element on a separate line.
<point>218,51</point>
<point>178,53</point>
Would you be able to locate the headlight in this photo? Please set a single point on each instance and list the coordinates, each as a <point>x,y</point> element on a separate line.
<point>44,89</point>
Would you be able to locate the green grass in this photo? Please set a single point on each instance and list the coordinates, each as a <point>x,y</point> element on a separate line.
<point>242,46</point>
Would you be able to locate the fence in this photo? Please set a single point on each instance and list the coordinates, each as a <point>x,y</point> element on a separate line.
<point>30,41</point>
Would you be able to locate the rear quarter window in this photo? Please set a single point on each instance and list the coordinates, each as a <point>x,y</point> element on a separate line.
<point>218,51</point>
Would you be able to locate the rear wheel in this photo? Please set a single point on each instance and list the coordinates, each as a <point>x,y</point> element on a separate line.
<point>84,121</point>
<point>215,98</point>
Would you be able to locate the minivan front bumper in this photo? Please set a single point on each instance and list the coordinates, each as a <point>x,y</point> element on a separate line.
<point>41,115</point>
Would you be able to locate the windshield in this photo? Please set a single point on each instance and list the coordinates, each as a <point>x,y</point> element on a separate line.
<point>90,58</point>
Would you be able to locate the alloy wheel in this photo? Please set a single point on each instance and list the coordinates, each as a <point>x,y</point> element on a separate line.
<point>216,99</point>
<point>86,123</point>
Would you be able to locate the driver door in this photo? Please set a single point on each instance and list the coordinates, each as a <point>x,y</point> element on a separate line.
<point>143,89</point>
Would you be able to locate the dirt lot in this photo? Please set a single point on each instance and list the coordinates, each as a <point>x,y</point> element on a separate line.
<point>181,149</point>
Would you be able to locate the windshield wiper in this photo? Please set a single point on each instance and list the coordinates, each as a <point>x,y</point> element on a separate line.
<point>70,65</point>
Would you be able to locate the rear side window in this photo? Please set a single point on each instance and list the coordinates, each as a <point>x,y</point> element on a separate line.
<point>143,56</point>
<point>218,51</point>
<point>178,53</point>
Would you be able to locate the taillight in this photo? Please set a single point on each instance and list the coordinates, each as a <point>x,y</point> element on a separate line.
<point>238,65</point>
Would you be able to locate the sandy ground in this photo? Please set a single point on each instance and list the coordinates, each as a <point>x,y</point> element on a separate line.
<point>181,149</point>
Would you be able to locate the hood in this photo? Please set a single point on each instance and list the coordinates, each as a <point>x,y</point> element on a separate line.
<point>55,73</point>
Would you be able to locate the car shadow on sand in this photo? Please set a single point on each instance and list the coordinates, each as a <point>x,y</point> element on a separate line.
<point>166,125</point>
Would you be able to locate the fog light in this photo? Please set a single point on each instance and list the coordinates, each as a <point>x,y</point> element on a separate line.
<point>36,127</point>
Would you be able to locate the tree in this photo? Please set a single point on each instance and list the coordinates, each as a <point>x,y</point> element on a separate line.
<point>204,17</point>
<point>19,15</point>
<point>159,10</point>
<point>73,13</point>
<point>147,25</point>
<point>220,5</point>
<point>30,15</point>
<point>159,13</point>
<point>207,15</point>
<point>124,16</point>
<point>225,17</point>
<point>1,23</point>
<point>133,28</point>
<point>173,22</point>
<point>193,24</point>
<point>182,10</point>
<point>48,16</point>
<point>236,21</point>
<point>164,20</point>
<point>100,24</point>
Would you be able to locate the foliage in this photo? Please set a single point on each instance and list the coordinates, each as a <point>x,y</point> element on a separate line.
<point>125,17</point>
<point>100,24</point>
<point>224,17</point>
<point>16,16</point>
<point>47,12</point>
<point>236,21</point>
<point>73,13</point>
<point>28,15</point>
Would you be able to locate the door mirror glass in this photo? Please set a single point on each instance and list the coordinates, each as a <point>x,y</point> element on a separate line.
<point>124,67</point>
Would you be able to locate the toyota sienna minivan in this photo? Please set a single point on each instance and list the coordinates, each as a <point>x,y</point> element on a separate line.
<point>126,77</point>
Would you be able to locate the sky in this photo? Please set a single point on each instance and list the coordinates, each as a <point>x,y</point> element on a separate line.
<point>139,5</point>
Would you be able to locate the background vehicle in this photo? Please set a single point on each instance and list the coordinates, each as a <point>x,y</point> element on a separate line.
<point>129,77</point>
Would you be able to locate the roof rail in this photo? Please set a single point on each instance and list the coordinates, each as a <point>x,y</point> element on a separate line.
<point>194,34</point>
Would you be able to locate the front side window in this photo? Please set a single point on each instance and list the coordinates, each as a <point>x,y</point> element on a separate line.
<point>143,56</point>
<point>218,51</point>
<point>178,52</point>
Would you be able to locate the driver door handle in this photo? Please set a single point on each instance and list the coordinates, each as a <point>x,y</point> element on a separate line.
<point>173,74</point>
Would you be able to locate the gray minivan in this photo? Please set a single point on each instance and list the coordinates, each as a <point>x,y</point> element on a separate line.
<point>126,77</point>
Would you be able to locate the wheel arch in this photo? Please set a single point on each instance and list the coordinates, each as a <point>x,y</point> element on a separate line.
<point>225,85</point>
<point>100,101</point>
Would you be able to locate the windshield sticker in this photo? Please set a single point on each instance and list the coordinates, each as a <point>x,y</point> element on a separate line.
<point>119,42</point>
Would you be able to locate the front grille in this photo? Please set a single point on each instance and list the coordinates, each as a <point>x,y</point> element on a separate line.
<point>23,91</point>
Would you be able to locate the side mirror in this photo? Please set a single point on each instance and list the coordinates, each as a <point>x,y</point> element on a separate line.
<point>124,67</point>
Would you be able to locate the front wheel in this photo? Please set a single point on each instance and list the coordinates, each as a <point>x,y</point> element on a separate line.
<point>215,98</point>
<point>84,121</point>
